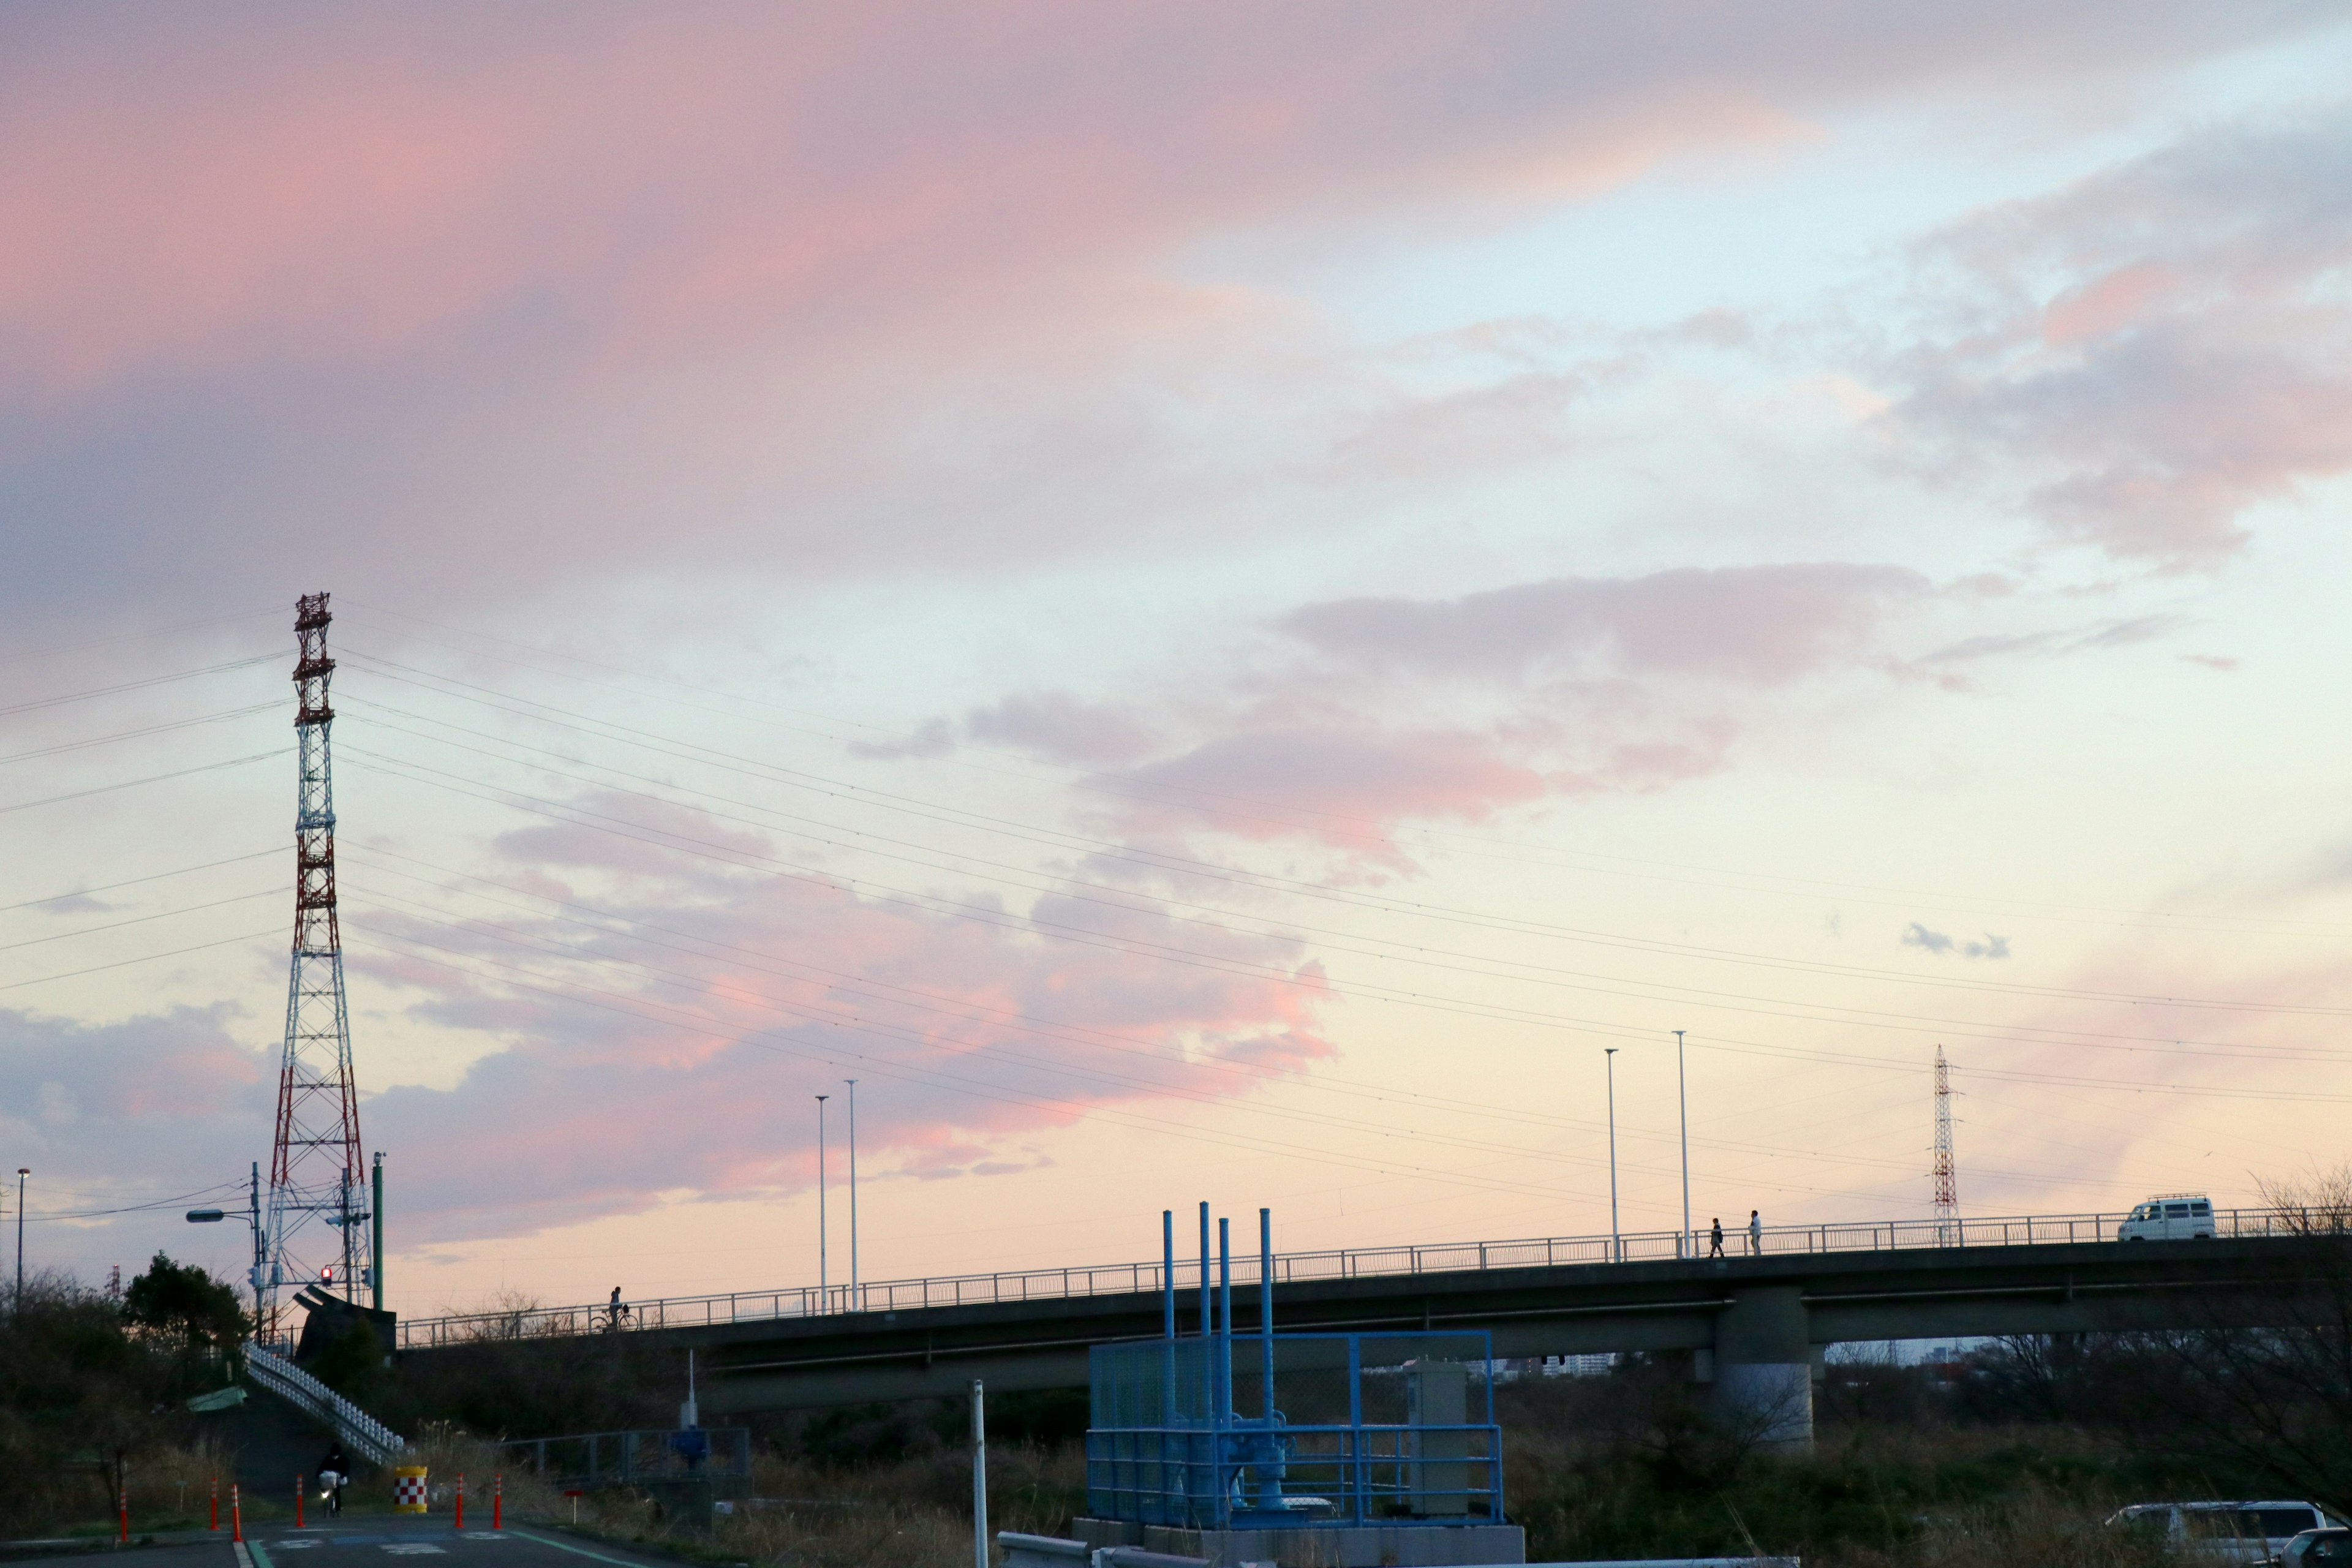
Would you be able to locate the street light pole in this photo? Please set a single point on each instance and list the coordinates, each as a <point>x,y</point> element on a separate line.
<point>1616,1243</point>
<point>22,1171</point>
<point>853,1191</point>
<point>1682,1088</point>
<point>822,1282</point>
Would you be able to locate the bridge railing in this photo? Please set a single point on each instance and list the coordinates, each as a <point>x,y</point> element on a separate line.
<point>1344,1262</point>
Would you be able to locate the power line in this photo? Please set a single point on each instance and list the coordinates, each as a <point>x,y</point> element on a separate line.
<point>1345,898</point>
<point>1731,1002</point>
<point>135,881</point>
<point>967,1012</point>
<point>64,747</point>
<point>140,920</point>
<point>136,685</point>
<point>154,778</point>
<point>143,958</point>
<point>1033,769</point>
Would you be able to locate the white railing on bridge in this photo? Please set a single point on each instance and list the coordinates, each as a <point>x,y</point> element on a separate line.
<point>1345,1263</point>
<point>369,1437</point>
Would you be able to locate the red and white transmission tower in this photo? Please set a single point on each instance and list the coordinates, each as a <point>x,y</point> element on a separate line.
<point>1947,1192</point>
<point>316,1172</point>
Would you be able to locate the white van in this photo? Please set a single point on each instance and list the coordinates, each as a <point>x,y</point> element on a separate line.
<point>2226,1531</point>
<point>2170,1217</point>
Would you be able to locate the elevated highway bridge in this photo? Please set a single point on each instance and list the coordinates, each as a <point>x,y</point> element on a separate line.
<point>1753,1323</point>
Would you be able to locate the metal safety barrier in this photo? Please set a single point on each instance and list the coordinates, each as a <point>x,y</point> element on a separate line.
<point>1344,1262</point>
<point>371,1439</point>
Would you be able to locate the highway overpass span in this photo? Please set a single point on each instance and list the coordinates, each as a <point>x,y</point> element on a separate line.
<point>1752,1325</point>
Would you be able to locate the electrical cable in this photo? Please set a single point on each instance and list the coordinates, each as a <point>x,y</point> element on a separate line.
<point>134,734</point>
<point>1033,771</point>
<point>216,1190</point>
<point>1352,898</point>
<point>966,1012</point>
<point>135,881</point>
<point>155,778</point>
<point>139,684</point>
<point>1731,1002</point>
<point>143,958</point>
<point>142,919</point>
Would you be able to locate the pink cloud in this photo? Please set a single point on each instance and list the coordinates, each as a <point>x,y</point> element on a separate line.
<point>816,289</point>
<point>1344,788</point>
<point>2108,305</point>
<point>671,1043</point>
<point>1762,625</point>
<point>2187,365</point>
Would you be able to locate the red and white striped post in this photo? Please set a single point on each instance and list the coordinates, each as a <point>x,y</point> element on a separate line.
<point>236,1514</point>
<point>498,1501</point>
<point>216,1502</point>
<point>123,1504</point>
<point>461,1500</point>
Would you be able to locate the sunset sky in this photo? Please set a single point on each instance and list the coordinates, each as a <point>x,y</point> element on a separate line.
<point>1212,600</point>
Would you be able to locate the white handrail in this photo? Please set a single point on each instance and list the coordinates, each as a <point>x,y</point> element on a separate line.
<point>1136,1278</point>
<point>377,1442</point>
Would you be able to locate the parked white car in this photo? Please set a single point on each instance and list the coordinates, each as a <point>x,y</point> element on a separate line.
<point>2228,1531</point>
<point>2318,1549</point>
<point>2172,1216</point>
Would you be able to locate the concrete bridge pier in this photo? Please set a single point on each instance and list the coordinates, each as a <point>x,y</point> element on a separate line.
<point>1763,1368</point>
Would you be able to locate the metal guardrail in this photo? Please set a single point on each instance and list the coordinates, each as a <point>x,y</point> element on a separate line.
<point>1345,1263</point>
<point>375,1442</point>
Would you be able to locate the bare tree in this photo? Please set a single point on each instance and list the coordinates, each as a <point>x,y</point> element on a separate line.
<point>2272,1402</point>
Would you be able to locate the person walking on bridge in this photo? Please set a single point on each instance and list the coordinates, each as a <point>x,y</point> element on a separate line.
<point>1755,1233</point>
<point>1714,1239</point>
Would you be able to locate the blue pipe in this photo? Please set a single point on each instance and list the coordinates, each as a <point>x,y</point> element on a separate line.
<point>1223,1413</point>
<point>1168,1317</point>
<point>1208,1321</point>
<point>1225,1319</point>
<point>1265,1302</point>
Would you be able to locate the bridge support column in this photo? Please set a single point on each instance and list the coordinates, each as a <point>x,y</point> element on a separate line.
<point>1764,1368</point>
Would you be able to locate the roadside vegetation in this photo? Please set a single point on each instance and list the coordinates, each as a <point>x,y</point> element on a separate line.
<point>90,1392</point>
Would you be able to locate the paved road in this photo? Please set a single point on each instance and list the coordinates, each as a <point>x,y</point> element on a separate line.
<point>377,1543</point>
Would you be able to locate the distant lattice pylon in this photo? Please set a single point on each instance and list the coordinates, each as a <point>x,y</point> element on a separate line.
<point>1947,1194</point>
<point>316,1172</point>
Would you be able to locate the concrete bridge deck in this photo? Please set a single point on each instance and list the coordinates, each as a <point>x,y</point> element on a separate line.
<point>1736,1315</point>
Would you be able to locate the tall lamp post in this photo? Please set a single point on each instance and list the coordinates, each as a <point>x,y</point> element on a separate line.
<point>823,1299</point>
<point>22,1171</point>
<point>852,1192</point>
<point>1689,1248</point>
<point>1616,1243</point>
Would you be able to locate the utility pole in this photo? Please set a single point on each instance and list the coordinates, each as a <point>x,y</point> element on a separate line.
<point>1682,1089</point>
<point>1616,1243</point>
<point>315,1162</point>
<point>1947,1174</point>
<point>979,1479</point>
<point>375,1232</point>
<point>824,1301</point>
<point>260,1246</point>
<point>852,1192</point>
